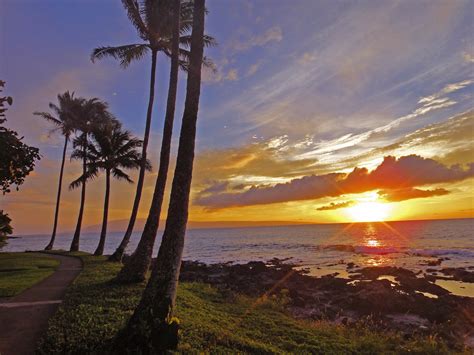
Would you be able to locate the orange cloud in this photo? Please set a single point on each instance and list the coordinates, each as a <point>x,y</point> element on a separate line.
<point>402,173</point>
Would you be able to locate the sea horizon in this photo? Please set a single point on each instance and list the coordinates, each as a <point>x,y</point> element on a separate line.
<point>277,224</point>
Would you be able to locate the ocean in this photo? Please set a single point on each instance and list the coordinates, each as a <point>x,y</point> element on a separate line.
<point>321,249</point>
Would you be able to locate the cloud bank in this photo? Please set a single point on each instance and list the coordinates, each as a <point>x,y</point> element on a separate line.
<point>392,174</point>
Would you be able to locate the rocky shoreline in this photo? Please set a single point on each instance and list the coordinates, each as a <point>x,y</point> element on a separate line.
<point>383,298</point>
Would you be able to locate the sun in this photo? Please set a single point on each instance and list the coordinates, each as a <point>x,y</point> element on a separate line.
<point>370,211</point>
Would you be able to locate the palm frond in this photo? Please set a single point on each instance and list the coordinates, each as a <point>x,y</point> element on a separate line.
<point>134,14</point>
<point>80,140</point>
<point>48,117</point>
<point>130,145</point>
<point>55,107</point>
<point>125,54</point>
<point>186,21</point>
<point>209,41</point>
<point>148,166</point>
<point>120,175</point>
<point>76,183</point>
<point>184,60</point>
<point>91,174</point>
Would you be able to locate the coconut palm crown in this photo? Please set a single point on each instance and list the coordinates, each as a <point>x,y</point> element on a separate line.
<point>153,21</point>
<point>112,151</point>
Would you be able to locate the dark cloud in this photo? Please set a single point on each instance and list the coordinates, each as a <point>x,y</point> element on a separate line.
<point>410,193</point>
<point>335,206</point>
<point>402,173</point>
<point>216,187</point>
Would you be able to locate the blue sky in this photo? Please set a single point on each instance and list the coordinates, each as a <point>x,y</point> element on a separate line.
<point>312,82</point>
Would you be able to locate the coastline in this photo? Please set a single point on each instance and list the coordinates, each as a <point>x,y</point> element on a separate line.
<point>378,297</point>
<point>239,308</point>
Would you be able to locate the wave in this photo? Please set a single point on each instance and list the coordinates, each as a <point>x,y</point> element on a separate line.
<point>442,252</point>
<point>360,249</point>
<point>383,250</point>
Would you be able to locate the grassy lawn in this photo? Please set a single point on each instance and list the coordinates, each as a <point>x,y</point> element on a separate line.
<point>19,271</point>
<point>212,321</point>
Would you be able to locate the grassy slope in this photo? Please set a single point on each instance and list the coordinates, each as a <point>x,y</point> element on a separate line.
<point>19,271</point>
<point>212,321</point>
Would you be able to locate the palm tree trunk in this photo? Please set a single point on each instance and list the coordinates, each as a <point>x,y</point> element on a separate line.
<point>58,198</point>
<point>118,254</point>
<point>136,268</point>
<point>103,233</point>
<point>77,232</point>
<point>151,328</point>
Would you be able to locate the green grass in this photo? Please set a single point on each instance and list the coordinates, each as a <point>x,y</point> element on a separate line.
<point>212,322</point>
<point>19,271</point>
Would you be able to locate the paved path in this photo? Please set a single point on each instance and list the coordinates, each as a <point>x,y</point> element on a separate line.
<point>24,318</point>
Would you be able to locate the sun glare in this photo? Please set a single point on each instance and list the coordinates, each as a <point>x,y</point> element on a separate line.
<point>369,211</point>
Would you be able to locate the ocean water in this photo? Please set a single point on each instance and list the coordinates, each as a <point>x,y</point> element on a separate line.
<point>323,248</point>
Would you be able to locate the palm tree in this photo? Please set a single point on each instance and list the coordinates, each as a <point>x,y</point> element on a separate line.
<point>152,21</point>
<point>63,122</point>
<point>137,266</point>
<point>111,151</point>
<point>151,328</point>
<point>87,116</point>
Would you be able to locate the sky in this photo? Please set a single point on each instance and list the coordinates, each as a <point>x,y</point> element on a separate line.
<point>317,111</point>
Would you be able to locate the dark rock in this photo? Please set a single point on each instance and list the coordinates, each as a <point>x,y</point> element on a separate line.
<point>436,262</point>
<point>459,274</point>
<point>368,301</point>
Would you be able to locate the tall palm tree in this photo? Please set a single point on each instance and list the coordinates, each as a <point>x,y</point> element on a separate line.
<point>61,118</point>
<point>111,150</point>
<point>137,266</point>
<point>87,116</point>
<point>151,328</point>
<point>152,21</point>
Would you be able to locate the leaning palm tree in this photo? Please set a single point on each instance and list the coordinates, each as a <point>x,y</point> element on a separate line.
<point>137,266</point>
<point>87,116</point>
<point>111,150</point>
<point>61,118</point>
<point>152,328</point>
<point>152,20</point>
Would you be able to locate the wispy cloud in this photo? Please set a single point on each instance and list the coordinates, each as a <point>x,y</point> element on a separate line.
<point>363,63</point>
<point>436,99</point>
<point>219,73</point>
<point>232,75</point>
<point>468,57</point>
<point>273,34</point>
<point>426,105</point>
<point>306,58</point>
<point>253,69</point>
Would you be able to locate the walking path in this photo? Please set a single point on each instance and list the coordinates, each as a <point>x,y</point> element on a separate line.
<point>24,318</point>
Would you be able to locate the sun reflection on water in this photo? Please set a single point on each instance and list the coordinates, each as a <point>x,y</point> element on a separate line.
<point>372,243</point>
<point>376,261</point>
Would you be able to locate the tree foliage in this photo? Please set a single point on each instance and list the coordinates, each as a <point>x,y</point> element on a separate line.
<point>153,22</point>
<point>5,227</point>
<point>17,159</point>
<point>110,149</point>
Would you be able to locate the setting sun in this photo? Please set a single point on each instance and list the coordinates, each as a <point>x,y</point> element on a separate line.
<point>369,211</point>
